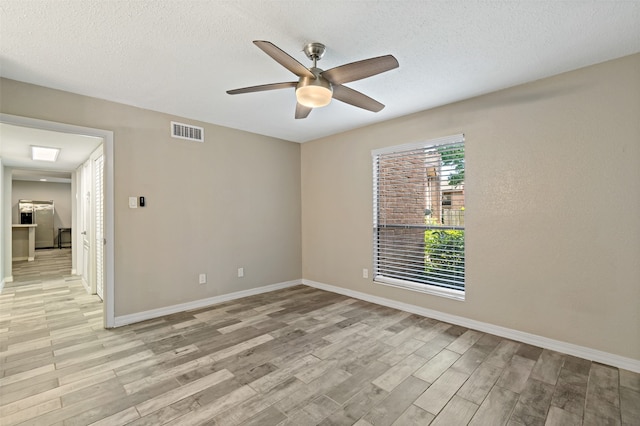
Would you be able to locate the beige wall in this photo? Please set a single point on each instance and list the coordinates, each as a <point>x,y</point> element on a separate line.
<point>233,201</point>
<point>60,193</point>
<point>552,206</point>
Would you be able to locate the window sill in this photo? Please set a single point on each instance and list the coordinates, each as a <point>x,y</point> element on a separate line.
<point>421,288</point>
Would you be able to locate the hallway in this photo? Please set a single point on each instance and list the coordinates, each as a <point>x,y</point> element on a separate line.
<point>42,311</point>
<point>50,264</point>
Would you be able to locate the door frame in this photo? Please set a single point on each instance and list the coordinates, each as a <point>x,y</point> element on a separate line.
<point>108,176</point>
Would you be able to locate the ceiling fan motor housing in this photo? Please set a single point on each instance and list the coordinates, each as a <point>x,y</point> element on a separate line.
<point>314,51</point>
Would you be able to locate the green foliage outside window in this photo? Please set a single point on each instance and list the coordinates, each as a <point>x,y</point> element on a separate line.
<point>455,158</point>
<point>444,254</point>
<point>444,248</point>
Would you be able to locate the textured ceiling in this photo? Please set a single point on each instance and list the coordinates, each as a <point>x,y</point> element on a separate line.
<point>180,57</point>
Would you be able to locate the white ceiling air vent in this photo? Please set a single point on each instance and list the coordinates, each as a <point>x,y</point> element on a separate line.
<point>186,131</point>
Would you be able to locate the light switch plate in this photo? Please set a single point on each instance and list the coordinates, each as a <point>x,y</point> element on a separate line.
<point>133,202</point>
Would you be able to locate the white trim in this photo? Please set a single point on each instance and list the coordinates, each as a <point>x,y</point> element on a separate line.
<point>197,304</point>
<point>422,288</point>
<point>109,231</point>
<point>418,145</point>
<point>85,285</point>
<point>21,258</point>
<point>4,281</point>
<point>532,339</point>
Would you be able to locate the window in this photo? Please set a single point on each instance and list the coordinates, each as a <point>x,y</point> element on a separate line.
<point>418,219</point>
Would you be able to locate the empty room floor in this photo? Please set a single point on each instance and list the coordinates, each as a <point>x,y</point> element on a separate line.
<point>299,356</point>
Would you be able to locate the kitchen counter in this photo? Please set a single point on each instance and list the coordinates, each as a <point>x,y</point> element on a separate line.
<point>23,244</point>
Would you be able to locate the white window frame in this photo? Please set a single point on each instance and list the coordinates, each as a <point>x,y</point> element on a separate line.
<point>432,289</point>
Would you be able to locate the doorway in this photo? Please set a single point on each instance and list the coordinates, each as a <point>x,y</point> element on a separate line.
<point>106,233</point>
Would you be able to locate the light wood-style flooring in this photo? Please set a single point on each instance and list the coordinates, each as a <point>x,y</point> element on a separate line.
<point>50,264</point>
<point>298,356</point>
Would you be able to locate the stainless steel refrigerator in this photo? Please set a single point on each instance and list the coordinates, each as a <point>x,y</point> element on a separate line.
<point>40,213</point>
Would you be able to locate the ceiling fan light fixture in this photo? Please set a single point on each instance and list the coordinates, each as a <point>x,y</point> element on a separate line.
<point>313,92</point>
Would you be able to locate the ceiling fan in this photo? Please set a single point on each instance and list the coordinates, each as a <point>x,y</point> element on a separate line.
<point>315,87</point>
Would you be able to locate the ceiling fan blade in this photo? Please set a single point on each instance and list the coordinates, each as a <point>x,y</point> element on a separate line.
<point>302,111</point>
<point>263,87</point>
<point>360,69</point>
<point>355,98</point>
<point>284,59</point>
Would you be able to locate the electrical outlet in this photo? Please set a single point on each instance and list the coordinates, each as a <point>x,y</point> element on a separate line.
<point>365,273</point>
<point>202,279</point>
<point>240,272</point>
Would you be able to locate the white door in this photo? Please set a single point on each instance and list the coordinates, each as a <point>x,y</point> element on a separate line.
<point>86,226</point>
<point>99,226</point>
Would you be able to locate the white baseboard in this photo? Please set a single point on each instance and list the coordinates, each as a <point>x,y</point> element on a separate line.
<point>197,304</point>
<point>5,280</point>
<point>532,339</point>
<point>85,285</point>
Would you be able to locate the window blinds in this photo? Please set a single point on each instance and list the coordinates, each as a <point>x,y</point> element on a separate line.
<point>419,214</point>
<point>99,214</point>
